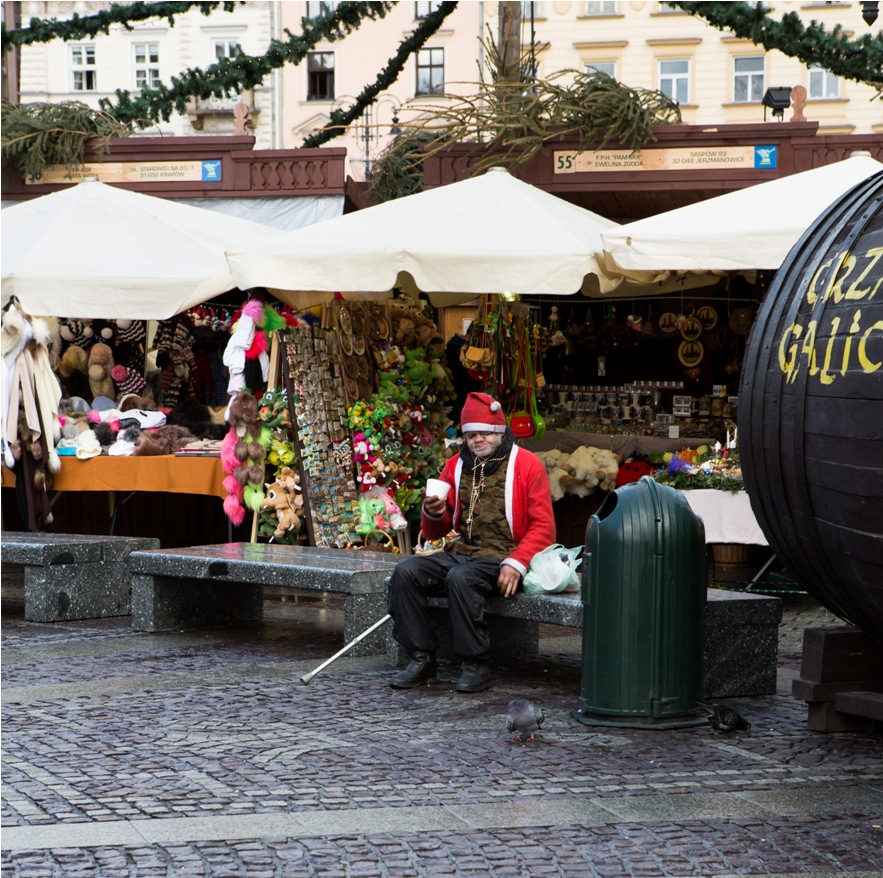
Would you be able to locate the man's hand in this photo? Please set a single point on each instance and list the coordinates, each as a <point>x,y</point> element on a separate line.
<point>435,506</point>
<point>507,581</point>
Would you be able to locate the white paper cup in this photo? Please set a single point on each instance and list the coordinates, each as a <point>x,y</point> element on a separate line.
<point>437,488</point>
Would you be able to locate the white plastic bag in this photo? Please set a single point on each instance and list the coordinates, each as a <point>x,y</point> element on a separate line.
<point>555,569</point>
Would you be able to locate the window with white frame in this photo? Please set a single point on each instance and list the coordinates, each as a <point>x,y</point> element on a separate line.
<point>316,8</point>
<point>608,67</point>
<point>823,85</point>
<point>674,79</point>
<point>668,9</point>
<point>531,7</point>
<point>430,71</point>
<point>601,7</point>
<point>83,68</point>
<point>748,79</point>
<point>225,48</point>
<point>146,65</point>
<point>320,76</point>
<point>426,8</point>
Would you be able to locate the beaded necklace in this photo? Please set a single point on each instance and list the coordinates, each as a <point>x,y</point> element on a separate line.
<point>476,489</point>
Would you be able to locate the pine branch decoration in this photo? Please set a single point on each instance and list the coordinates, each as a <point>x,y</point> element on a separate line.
<point>511,123</point>
<point>87,26</point>
<point>340,118</point>
<point>232,75</point>
<point>860,60</point>
<point>36,135</point>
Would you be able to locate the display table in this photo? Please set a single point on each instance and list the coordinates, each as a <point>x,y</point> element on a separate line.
<point>164,473</point>
<point>624,445</point>
<point>727,517</point>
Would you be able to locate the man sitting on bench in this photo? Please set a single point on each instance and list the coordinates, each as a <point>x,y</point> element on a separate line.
<point>499,504</point>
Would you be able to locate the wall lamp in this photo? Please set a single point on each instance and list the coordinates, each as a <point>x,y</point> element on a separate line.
<point>778,99</point>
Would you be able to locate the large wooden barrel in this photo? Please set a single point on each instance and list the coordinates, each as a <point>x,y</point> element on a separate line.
<point>811,409</point>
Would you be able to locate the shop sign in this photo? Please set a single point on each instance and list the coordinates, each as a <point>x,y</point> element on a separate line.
<point>203,171</point>
<point>674,159</point>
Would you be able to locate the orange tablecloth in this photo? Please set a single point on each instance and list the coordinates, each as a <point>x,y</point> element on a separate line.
<point>165,473</point>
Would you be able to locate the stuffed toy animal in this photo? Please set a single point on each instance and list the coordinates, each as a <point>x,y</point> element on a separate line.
<point>392,513</point>
<point>560,479</point>
<point>607,468</point>
<point>285,502</point>
<point>243,454</point>
<point>100,368</point>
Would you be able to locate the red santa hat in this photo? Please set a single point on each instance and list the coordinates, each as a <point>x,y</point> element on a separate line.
<point>482,414</point>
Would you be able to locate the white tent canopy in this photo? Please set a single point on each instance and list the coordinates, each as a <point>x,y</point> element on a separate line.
<point>749,229</point>
<point>94,250</point>
<point>486,234</point>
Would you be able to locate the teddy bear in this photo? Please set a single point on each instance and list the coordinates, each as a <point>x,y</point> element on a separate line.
<point>560,479</point>
<point>581,463</point>
<point>284,500</point>
<point>100,367</point>
<point>607,467</point>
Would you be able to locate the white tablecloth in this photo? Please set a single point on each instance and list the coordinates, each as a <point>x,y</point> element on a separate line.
<point>727,517</point>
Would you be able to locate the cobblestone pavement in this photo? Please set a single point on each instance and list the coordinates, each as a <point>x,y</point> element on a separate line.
<point>200,753</point>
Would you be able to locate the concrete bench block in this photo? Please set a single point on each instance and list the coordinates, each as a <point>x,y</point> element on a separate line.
<point>73,576</point>
<point>740,645</point>
<point>222,584</point>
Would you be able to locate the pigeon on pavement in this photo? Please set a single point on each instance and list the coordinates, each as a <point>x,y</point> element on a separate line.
<point>724,719</point>
<point>524,718</point>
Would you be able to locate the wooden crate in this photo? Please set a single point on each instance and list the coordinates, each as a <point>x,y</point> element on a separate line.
<point>730,553</point>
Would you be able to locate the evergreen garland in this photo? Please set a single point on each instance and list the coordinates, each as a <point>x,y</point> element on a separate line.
<point>231,75</point>
<point>340,118</point>
<point>79,27</point>
<point>35,135</point>
<point>860,60</point>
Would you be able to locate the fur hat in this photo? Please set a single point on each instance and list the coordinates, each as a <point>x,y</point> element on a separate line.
<point>482,414</point>
<point>100,366</point>
<point>74,359</point>
<point>127,380</point>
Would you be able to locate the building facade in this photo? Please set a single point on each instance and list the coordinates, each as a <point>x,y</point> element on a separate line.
<point>716,78</point>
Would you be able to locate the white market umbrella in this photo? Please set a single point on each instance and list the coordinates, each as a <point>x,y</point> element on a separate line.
<point>94,250</point>
<point>749,229</point>
<point>487,234</point>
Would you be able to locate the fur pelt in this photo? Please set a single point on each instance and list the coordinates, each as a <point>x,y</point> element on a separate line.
<point>131,401</point>
<point>163,440</point>
<point>17,330</point>
<point>105,434</point>
<point>198,418</point>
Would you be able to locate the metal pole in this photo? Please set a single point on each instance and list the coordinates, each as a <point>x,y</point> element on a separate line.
<point>307,677</point>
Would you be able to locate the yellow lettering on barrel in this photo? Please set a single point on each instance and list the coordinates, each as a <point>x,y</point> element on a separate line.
<point>873,257</point>
<point>847,346</point>
<point>826,377</point>
<point>789,366</point>
<point>811,294</point>
<point>836,290</point>
<point>809,343</point>
<point>866,364</point>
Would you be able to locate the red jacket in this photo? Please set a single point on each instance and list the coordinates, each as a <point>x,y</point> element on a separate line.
<point>528,506</point>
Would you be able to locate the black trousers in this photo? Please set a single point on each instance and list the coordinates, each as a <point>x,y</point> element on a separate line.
<point>466,583</point>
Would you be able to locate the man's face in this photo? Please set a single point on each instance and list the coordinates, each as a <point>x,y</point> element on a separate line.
<point>483,444</point>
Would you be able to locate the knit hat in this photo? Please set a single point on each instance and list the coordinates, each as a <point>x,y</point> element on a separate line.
<point>482,414</point>
<point>127,380</point>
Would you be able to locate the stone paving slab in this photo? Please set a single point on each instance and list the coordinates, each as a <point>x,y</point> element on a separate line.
<point>177,755</point>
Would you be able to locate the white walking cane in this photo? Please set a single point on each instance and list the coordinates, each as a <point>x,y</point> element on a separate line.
<point>307,677</point>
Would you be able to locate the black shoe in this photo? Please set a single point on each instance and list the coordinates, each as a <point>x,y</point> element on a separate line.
<point>419,670</point>
<point>475,676</point>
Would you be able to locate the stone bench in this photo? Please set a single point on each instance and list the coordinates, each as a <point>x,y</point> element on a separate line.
<point>221,584</point>
<point>740,646</point>
<point>73,576</point>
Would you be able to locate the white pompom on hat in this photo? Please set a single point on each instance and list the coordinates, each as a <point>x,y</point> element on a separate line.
<point>482,414</point>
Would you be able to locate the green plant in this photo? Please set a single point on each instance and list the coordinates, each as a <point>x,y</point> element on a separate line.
<point>36,135</point>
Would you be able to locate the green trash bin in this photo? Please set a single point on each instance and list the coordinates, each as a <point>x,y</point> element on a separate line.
<point>643,595</point>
